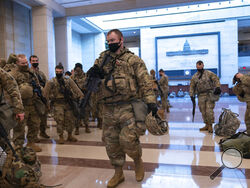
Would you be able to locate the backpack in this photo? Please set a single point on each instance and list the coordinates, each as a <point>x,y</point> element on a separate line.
<point>21,172</point>
<point>240,141</point>
<point>228,123</point>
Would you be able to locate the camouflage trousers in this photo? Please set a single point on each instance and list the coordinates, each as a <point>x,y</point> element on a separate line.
<point>64,117</point>
<point>85,119</point>
<point>43,124</point>
<point>164,101</point>
<point>32,120</point>
<point>121,133</point>
<point>247,117</point>
<point>206,108</point>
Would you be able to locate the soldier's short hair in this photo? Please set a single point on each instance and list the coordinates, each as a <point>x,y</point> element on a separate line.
<point>116,31</point>
<point>161,70</point>
<point>199,62</point>
<point>20,56</point>
<point>33,56</point>
<point>78,65</point>
<point>59,66</point>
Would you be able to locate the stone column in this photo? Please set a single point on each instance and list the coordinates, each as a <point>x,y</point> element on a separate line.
<point>63,41</point>
<point>43,39</point>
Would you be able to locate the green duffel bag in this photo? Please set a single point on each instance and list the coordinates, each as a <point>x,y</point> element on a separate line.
<point>240,141</point>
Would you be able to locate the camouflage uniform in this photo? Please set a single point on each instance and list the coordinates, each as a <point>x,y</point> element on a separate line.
<point>43,117</point>
<point>155,86</point>
<point>62,112</point>
<point>10,87</point>
<point>202,87</point>
<point>120,130</point>
<point>9,84</point>
<point>242,90</point>
<point>32,119</point>
<point>163,82</point>
<point>80,80</point>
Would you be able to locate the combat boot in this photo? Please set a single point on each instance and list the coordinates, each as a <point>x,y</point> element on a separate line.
<point>61,139</point>
<point>205,128</point>
<point>44,135</point>
<point>87,130</point>
<point>35,147</point>
<point>210,128</point>
<point>77,131</point>
<point>117,178</point>
<point>37,140</point>
<point>139,169</point>
<point>71,138</point>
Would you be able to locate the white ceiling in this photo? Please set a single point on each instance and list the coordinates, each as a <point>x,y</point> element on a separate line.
<point>77,3</point>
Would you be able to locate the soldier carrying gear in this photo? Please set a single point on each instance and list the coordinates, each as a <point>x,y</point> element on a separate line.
<point>62,111</point>
<point>206,85</point>
<point>124,83</point>
<point>24,76</point>
<point>79,77</point>
<point>163,87</point>
<point>242,91</point>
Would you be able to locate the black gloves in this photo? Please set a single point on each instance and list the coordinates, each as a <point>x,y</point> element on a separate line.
<point>152,107</point>
<point>217,91</point>
<point>96,72</point>
<point>242,94</point>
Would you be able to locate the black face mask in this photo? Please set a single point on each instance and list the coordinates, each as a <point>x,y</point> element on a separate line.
<point>35,65</point>
<point>59,75</point>
<point>113,47</point>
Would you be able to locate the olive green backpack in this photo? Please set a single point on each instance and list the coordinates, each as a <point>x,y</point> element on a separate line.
<point>240,141</point>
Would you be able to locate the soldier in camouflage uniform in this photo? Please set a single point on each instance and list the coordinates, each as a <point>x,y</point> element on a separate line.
<point>204,83</point>
<point>34,61</point>
<point>79,77</point>
<point>242,91</point>
<point>24,76</point>
<point>63,114</point>
<point>9,85</point>
<point>123,77</point>
<point>163,83</point>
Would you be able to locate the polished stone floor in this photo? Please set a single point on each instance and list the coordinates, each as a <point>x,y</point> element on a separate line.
<point>185,157</point>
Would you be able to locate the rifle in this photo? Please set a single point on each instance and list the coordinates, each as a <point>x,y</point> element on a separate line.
<point>38,91</point>
<point>159,88</point>
<point>68,96</point>
<point>92,85</point>
<point>4,135</point>
<point>194,105</point>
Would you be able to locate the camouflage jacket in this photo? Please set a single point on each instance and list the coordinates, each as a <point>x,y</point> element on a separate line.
<point>163,82</point>
<point>53,92</point>
<point>243,87</point>
<point>125,78</point>
<point>9,84</point>
<point>205,84</point>
<point>80,80</point>
<point>41,77</point>
<point>25,78</point>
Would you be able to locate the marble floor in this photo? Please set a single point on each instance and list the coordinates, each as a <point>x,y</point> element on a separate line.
<point>185,157</point>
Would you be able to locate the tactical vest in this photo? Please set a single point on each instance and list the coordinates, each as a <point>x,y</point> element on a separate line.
<point>204,84</point>
<point>119,83</point>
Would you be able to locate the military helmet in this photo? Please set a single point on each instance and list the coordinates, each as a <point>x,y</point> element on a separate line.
<point>26,91</point>
<point>156,125</point>
<point>12,58</point>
